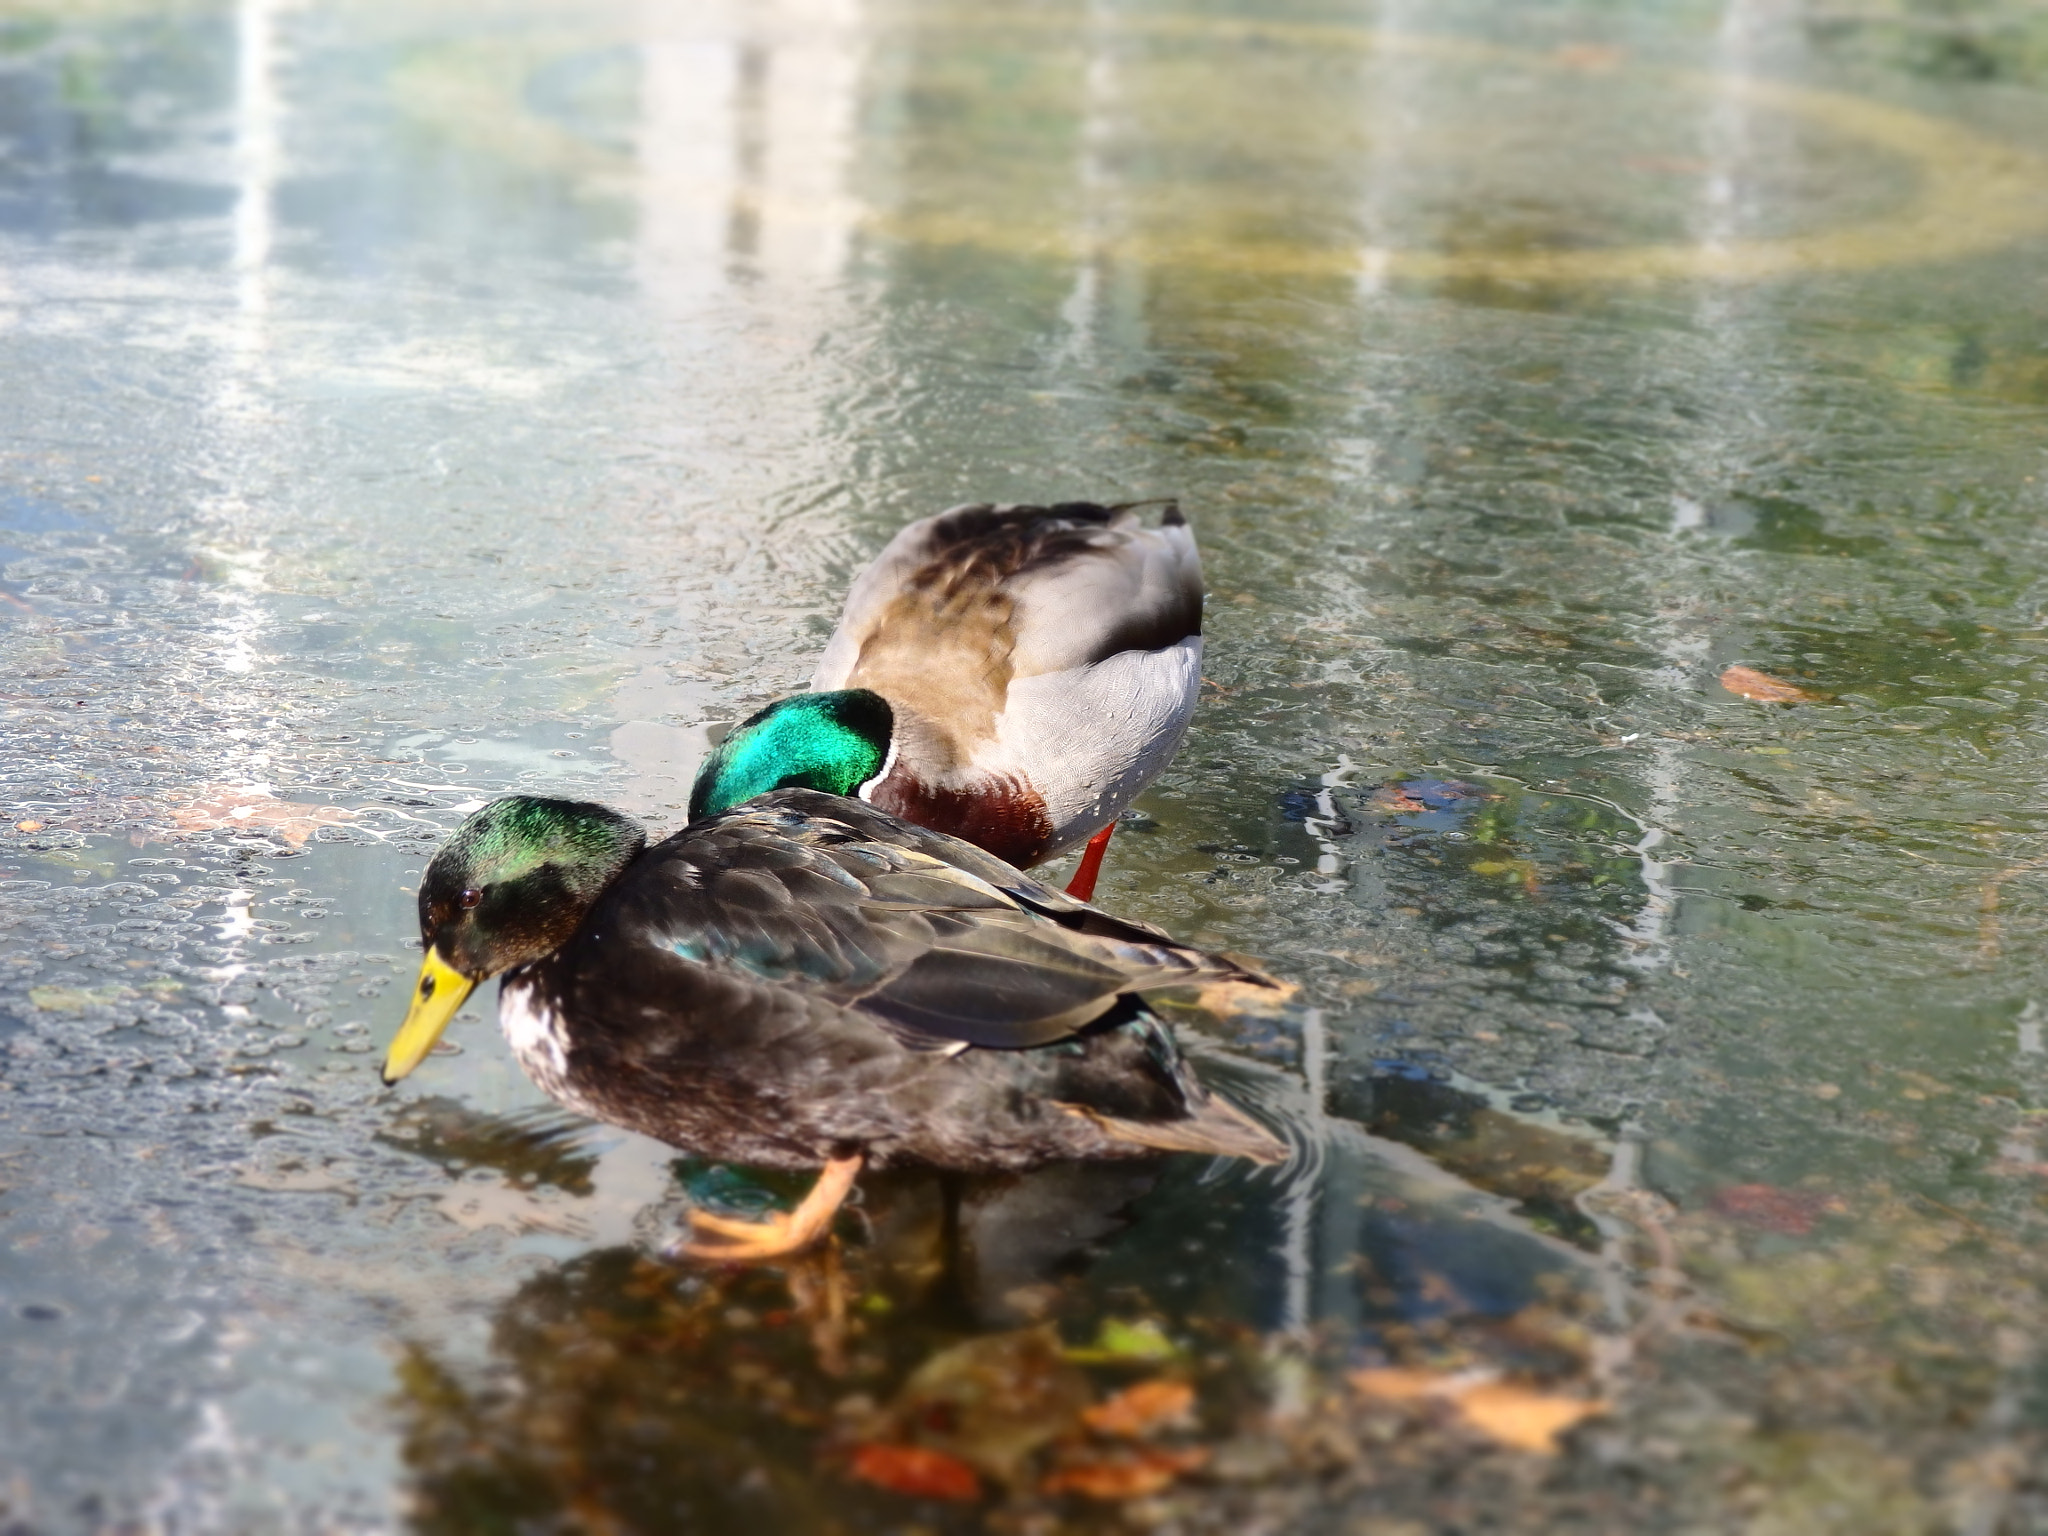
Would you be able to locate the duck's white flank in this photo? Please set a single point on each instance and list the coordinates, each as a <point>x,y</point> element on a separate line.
<point>1091,738</point>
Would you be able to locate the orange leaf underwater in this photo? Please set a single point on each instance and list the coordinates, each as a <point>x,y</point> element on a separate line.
<point>1524,1419</point>
<point>1127,1474</point>
<point>1517,1416</point>
<point>916,1472</point>
<point>224,806</point>
<point>1142,1410</point>
<point>1398,1386</point>
<point>1748,683</point>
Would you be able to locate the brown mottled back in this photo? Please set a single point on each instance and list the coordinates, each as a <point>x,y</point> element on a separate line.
<point>934,625</point>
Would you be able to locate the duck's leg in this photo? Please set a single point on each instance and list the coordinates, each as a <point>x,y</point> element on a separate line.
<point>1082,886</point>
<point>776,1236</point>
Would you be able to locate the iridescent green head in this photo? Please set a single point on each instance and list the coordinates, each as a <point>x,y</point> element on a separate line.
<point>834,742</point>
<point>516,878</point>
<point>510,887</point>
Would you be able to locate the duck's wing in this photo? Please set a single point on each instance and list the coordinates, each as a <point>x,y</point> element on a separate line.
<point>1033,589</point>
<point>935,941</point>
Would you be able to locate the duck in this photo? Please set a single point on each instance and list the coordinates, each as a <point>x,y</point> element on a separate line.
<point>1009,675</point>
<point>806,981</point>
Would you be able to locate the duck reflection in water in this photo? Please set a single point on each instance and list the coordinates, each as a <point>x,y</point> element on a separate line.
<point>976,1319</point>
<point>629,1394</point>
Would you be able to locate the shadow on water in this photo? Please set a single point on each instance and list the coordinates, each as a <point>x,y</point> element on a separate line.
<point>540,1146</point>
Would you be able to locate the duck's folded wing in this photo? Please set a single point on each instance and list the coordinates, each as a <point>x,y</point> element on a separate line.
<point>887,854</point>
<point>1086,582</point>
<point>935,954</point>
<point>903,846</point>
<point>1000,985</point>
<point>1127,588</point>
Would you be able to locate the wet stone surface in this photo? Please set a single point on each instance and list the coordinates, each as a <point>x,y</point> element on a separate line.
<point>1614,436</point>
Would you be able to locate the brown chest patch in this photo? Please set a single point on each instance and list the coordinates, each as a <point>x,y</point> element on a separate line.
<point>1000,815</point>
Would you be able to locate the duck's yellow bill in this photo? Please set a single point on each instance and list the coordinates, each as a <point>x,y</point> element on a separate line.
<point>440,990</point>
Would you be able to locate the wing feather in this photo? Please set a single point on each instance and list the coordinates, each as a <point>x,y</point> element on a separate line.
<point>1087,581</point>
<point>930,938</point>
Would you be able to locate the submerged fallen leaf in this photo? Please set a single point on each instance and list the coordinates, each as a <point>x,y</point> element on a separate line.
<point>1125,1474</point>
<point>1748,683</point>
<point>1409,797</point>
<point>224,806</point>
<point>1120,1342</point>
<point>28,826</point>
<point>75,999</point>
<point>1521,870</point>
<point>1523,1418</point>
<point>1396,1385</point>
<point>916,1471</point>
<point>994,1401</point>
<point>1770,1209</point>
<point>1142,1410</point>
<point>1594,58</point>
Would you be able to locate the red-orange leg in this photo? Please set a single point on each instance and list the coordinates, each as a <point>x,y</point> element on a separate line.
<point>1082,886</point>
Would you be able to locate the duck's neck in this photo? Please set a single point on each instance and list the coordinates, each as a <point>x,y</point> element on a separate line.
<point>833,742</point>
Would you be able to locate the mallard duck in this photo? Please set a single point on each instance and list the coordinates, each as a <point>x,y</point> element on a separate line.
<point>808,981</point>
<point>1013,676</point>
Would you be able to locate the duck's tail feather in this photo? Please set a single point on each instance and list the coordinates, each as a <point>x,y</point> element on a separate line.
<point>1217,1127</point>
<point>1239,985</point>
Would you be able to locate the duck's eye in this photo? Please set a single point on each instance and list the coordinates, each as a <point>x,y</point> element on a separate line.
<point>470,898</point>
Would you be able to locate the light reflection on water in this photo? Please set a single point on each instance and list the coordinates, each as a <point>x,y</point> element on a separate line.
<point>410,403</point>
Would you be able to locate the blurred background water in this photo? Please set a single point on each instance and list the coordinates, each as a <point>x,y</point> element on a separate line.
<point>407,403</point>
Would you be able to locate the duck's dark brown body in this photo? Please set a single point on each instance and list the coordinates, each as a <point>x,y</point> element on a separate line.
<point>806,977</point>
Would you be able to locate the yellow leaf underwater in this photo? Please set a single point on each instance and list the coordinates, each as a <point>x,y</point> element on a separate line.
<point>1520,1417</point>
<point>1523,1418</point>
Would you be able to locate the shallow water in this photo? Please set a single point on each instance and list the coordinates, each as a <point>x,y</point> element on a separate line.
<point>408,403</point>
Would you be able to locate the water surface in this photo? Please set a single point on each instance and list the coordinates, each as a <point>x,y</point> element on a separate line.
<point>410,403</point>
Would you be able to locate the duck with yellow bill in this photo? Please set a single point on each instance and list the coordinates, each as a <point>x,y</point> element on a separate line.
<point>805,981</point>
